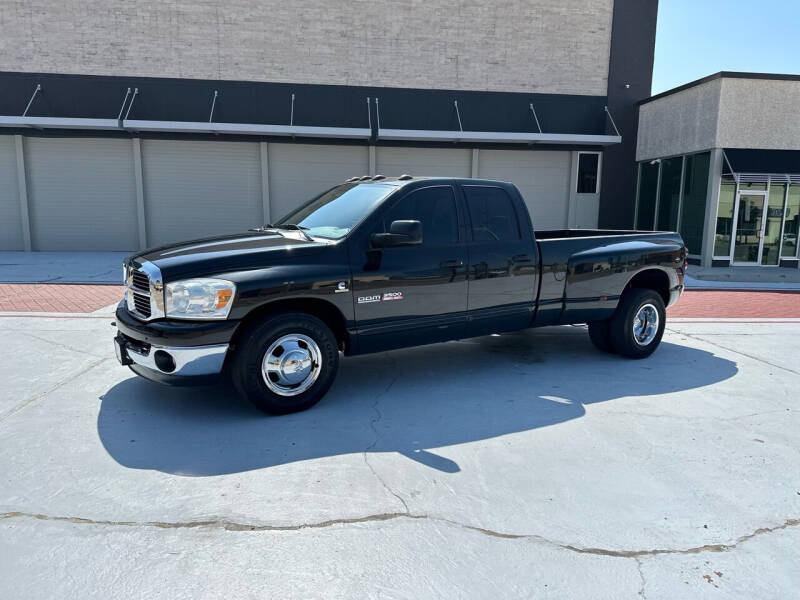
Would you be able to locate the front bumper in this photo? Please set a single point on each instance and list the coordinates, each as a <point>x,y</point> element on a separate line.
<point>173,352</point>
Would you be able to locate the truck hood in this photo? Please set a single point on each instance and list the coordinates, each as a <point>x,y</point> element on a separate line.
<point>220,254</point>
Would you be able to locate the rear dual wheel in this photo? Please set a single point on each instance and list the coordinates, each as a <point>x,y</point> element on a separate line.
<point>636,327</point>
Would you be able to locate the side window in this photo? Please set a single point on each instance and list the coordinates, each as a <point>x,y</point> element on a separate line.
<point>434,207</point>
<point>492,214</point>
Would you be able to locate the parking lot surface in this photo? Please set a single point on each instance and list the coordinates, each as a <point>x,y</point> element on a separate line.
<point>524,465</point>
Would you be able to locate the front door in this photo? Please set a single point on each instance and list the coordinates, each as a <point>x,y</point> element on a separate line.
<point>749,236</point>
<point>411,295</point>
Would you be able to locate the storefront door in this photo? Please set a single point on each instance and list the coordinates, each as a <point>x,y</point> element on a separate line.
<point>748,240</point>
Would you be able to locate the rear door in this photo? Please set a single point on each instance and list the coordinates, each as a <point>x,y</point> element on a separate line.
<point>502,261</point>
<point>410,295</point>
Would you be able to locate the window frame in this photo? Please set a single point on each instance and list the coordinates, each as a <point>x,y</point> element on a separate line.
<point>597,182</point>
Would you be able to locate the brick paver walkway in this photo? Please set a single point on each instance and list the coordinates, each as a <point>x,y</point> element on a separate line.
<point>61,298</point>
<point>736,304</point>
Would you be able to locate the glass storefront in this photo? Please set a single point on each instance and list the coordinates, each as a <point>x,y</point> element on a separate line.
<point>648,192</point>
<point>765,226</point>
<point>791,221</point>
<point>672,197</point>
<point>727,200</point>
<point>774,222</point>
<point>693,209</point>
<point>669,194</point>
<point>757,221</point>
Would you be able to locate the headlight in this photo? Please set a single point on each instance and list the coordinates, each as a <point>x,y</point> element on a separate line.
<point>199,299</point>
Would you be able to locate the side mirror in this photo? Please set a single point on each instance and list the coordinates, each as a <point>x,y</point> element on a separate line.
<point>401,233</point>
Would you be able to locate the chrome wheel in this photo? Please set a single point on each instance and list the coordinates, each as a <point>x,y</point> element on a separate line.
<point>645,324</point>
<point>291,364</point>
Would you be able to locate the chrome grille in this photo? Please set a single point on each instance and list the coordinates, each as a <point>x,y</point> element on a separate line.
<point>142,304</point>
<point>144,293</point>
<point>140,281</point>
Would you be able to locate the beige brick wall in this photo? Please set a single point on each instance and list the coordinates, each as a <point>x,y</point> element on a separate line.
<point>552,46</point>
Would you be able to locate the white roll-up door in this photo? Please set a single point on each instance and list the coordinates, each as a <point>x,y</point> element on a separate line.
<point>195,188</point>
<point>81,194</point>
<point>298,172</point>
<point>541,176</point>
<point>446,162</point>
<point>10,219</point>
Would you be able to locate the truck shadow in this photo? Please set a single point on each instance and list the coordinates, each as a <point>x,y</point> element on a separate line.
<point>406,401</point>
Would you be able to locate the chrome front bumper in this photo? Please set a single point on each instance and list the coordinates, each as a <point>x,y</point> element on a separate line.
<point>186,361</point>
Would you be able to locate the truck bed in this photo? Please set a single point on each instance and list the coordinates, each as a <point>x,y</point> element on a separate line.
<point>584,271</point>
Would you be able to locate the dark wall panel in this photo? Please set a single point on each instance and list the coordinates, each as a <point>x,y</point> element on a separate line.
<point>630,77</point>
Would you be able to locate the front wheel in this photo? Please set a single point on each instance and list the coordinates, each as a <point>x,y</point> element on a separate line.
<point>286,363</point>
<point>638,323</point>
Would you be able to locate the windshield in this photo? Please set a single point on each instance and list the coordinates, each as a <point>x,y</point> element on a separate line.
<point>333,214</point>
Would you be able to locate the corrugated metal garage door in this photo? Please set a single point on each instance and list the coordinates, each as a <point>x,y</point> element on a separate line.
<point>424,161</point>
<point>194,189</point>
<point>10,221</point>
<point>541,176</point>
<point>81,194</point>
<point>298,172</point>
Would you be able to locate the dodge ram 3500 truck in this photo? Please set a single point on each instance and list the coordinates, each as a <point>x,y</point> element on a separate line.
<point>378,263</point>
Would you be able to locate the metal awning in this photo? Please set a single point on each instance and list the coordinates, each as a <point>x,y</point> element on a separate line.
<point>761,166</point>
<point>497,137</point>
<point>248,129</point>
<point>99,103</point>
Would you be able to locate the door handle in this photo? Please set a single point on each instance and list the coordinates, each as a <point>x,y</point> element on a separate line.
<point>451,264</point>
<point>521,258</point>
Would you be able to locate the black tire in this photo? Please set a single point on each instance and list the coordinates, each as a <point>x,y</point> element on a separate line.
<point>622,322</point>
<point>600,335</point>
<point>246,371</point>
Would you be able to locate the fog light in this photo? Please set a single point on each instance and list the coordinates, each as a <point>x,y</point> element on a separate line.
<point>164,361</point>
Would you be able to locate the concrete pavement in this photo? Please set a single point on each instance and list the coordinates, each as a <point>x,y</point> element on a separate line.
<point>526,465</point>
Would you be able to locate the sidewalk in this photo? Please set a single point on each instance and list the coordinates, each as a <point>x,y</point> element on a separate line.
<point>742,278</point>
<point>61,267</point>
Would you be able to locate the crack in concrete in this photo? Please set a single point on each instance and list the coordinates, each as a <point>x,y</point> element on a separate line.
<point>226,525</point>
<point>372,423</point>
<point>50,390</point>
<point>210,523</point>
<point>641,576</point>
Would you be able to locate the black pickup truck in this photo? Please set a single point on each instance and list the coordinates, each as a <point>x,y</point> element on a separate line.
<point>379,263</point>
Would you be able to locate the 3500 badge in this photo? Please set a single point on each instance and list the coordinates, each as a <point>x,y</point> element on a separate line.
<point>380,298</point>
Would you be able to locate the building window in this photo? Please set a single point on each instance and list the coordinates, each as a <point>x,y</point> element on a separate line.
<point>588,170</point>
<point>648,191</point>
<point>727,200</point>
<point>791,222</point>
<point>669,194</point>
<point>693,204</point>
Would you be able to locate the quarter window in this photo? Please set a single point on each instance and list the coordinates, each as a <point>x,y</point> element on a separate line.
<point>492,214</point>
<point>434,207</point>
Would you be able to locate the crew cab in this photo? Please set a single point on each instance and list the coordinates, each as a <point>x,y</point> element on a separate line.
<point>380,263</point>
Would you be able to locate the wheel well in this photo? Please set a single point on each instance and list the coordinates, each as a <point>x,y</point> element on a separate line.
<point>652,279</point>
<point>323,310</point>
